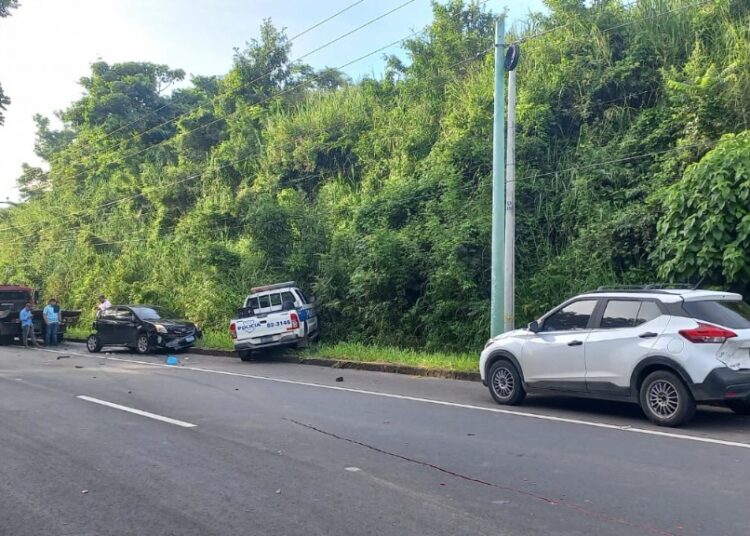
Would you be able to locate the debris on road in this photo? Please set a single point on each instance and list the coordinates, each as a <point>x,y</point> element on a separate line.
<point>79,366</point>
<point>84,491</point>
<point>62,357</point>
<point>172,360</point>
<point>278,491</point>
<point>340,379</point>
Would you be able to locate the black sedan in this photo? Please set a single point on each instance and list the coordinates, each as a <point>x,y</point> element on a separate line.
<point>142,329</point>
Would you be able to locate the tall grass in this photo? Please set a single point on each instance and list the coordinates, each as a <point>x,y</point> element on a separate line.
<point>459,362</point>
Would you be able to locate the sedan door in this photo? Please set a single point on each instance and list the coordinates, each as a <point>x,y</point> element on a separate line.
<point>105,325</point>
<point>125,331</point>
<point>554,357</point>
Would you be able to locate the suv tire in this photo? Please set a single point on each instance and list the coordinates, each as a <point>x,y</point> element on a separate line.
<point>666,400</point>
<point>505,383</point>
<point>740,407</point>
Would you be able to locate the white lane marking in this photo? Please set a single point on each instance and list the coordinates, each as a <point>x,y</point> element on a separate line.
<point>137,411</point>
<point>543,417</point>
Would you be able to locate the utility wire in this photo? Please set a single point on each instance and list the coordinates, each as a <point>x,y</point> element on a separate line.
<point>248,84</point>
<point>294,87</point>
<point>291,39</point>
<point>287,90</point>
<point>312,79</point>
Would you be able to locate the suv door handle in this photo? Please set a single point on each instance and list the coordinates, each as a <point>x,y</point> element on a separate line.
<point>648,335</point>
<point>575,343</point>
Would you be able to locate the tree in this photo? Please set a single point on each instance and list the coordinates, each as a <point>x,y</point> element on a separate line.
<point>4,102</point>
<point>705,231</point>
<point>33,182</point>
<point>5,7</point>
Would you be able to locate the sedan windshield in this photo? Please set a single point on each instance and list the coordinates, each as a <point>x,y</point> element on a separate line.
<point>146,313</point>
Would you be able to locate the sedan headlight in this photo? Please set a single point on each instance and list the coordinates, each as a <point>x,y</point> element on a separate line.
<point>160,328</point>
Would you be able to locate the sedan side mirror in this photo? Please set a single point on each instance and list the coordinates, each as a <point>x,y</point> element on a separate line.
<point>533,326</point>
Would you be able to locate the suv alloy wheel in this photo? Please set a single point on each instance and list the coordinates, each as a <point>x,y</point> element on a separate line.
<point>665,400</point>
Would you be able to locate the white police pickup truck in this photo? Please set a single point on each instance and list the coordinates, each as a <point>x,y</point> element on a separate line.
<point>272,316</point>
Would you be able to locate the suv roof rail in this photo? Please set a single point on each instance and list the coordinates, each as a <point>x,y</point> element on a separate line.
<point>651,287</point>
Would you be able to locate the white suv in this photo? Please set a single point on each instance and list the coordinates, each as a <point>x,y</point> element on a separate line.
<point>664,348</point>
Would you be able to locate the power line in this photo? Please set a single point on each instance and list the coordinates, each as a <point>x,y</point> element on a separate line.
<point>248,84</point>
<point>295,87</point>
<point>287,90</point>
<point>292,39</point>
<point>312,79</point>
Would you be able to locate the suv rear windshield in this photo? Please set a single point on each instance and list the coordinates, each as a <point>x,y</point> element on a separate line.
<point>730,314</point>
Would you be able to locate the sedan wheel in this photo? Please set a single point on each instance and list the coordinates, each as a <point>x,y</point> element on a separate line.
<point>93,343</point>
<point>666,400</point>
<point>142,344</point>
<point>505,383</point>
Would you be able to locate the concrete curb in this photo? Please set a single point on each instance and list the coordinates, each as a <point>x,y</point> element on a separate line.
<point>392,368</point>
<point>345,364</point>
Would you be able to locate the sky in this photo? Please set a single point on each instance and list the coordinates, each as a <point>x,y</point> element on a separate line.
<point>46,46</point>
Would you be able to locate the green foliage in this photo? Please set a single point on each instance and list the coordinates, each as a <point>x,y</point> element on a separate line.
<point>705,230</point>
<point>5,7</point>
<point>632,164</point>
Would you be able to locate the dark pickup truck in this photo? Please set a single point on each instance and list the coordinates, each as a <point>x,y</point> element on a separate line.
<point>12,299</point>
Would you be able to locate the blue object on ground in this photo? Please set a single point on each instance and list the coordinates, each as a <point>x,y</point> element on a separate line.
<point>172,360</point>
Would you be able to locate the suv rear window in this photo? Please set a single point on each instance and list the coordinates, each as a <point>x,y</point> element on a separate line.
<point>730,314</point>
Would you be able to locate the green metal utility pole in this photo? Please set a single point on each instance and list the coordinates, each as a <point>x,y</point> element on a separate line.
<point>498,185</point>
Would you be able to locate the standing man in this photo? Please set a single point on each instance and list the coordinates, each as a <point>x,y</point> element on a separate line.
<point>52,322</point>
<point>27,326</point>
<point>103,305</point>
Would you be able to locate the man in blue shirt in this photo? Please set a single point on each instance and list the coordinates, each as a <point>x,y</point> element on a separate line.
<point>52,322</point>
<point>27,326</point>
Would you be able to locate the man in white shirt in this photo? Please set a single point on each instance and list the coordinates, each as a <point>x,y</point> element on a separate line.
<point>103,305</point>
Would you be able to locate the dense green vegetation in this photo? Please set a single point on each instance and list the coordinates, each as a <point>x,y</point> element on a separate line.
<point>5,7</point>
<point>633,165</point>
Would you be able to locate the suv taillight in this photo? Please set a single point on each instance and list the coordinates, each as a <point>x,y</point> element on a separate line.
<point>706,333</point>
<point>233,330</point>
<point>295,322</point>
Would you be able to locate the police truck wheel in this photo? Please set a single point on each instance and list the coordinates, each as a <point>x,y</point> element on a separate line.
<point>246,355</point>
<point>93,343</point>
<point>305,342</point>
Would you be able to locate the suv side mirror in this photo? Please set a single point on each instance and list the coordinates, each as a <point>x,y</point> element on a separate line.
<point>533,326</point>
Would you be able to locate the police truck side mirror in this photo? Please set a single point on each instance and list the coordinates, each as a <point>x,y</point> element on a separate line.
<point>533,326</point>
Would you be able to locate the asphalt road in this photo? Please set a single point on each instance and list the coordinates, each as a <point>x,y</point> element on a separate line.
<point>222,447</point>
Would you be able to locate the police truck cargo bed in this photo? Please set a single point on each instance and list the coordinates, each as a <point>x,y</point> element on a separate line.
<point>273,316</point>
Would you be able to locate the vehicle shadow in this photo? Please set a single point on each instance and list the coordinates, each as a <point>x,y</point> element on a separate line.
<point>707,418</point>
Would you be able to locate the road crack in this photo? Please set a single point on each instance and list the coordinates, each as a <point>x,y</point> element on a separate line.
<point>572,507</point>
